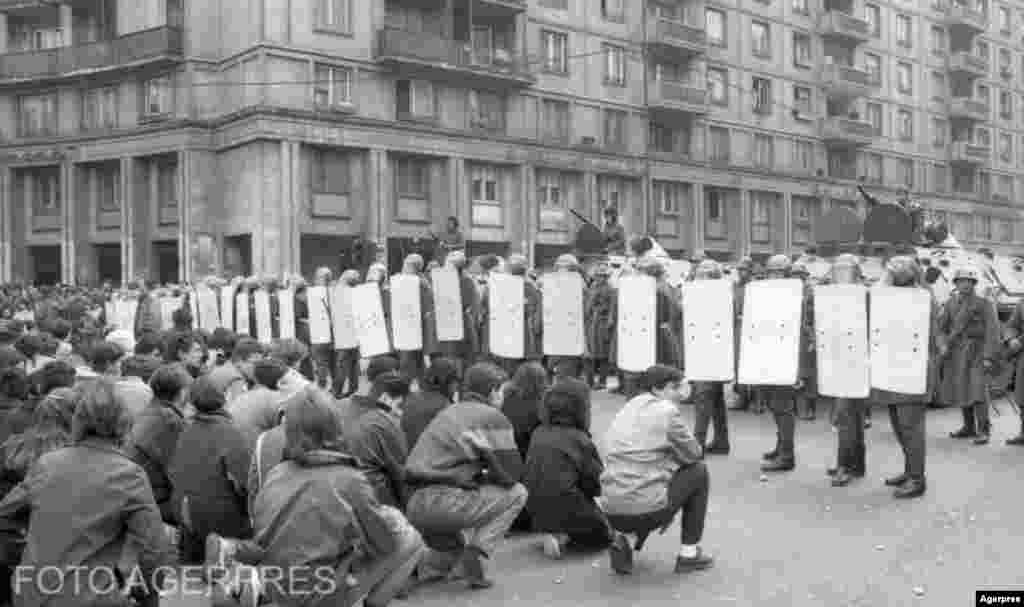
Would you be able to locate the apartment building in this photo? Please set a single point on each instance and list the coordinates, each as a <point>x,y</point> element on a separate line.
<point>165,139</point>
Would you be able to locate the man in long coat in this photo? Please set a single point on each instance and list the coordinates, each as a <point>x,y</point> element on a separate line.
<point>744,394</point>
<point>709,396</point>
<point>464,351</point>
<point>600,309</point>
<point>568,366</point>
<point>533,321</point>
<point>346,373</point>
<point>969,341</point>
<point>412,363</point>
<point>1014,330</point>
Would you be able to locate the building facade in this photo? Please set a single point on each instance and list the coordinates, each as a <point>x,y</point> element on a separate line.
<point>167,139</point>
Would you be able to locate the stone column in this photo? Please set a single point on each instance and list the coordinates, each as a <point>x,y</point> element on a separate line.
<point>289,209</point>
<point>16,222</point>
<point>143,216</point>
<point>528,211</point>
<point>69,222</point>
<point>743,244</point>
<point>66,24</point>
<point>3,33</point>
<point>370,226</point>
<point>698,211</point>
<point>5,226</point>
<point>184,216</point>
<point>127,176</point>
<point>82,219</point>
<point>787,218</point>
<point>456,169</point>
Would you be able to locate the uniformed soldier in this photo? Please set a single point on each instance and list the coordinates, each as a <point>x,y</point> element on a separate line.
<point>533,322</point>
<point>346,373</point>
<point>614,233</point>
<point>600,310</point>
<point>412,361</point>
<point>322,354</point>
<point>781,400</point>
<point>668,324</point>
<point>377,274</point>
<point>709,396</point>
<point>807,397</point>
<point>849,412</point>
<point>298,284</point>
<point>1014,345</point>
<point>568,366</point>
<point>968,328</point>
<point>744,269</point>
<point>464,352</point>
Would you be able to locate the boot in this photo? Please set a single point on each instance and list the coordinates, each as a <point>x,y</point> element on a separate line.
<point>717,448</point>
<point>771,455</point>
<point>842,478</point>
<point>779,464</point>
<point>742,402</point>
<point>1018,440</point>
<point>896,481</point>
<point>913,487</point>
<point>984,435</point>
<point>968,430</point>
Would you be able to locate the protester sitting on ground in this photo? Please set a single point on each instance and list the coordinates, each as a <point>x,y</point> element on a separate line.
<point>354,405</point>
<point>52,376</point>
<point>133,385</point>
<point>374,436</point>
<point>183,347</point>
<point>465,471</point>
<point>563,473</point>
<point>156,430</point>
<point>111,524</point>
<point>437,391</point>
<point>316,509</point>
<point>522,400</point>
<point>208,474</point>
<point>233,378</point>
<point>257,410</point>
<point>104,360</point>
<point>50,430</point>
<point>654,469</point>
<point>291,353</point>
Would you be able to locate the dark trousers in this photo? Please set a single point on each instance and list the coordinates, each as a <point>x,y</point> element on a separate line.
<point>976,418</point>
<point>566,366</point>
<point>410,363</point>
<point>596,367</point>
<point>908,425</point>
<point>782,403</point>
<point>849,421</point>
<point>709,405</point>
<point>632,383</point>
<point>346,371</point>
<point>687,491</point>
<point>323,363</point>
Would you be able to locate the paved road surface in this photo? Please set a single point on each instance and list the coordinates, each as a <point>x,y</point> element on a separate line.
<point>796,541</point>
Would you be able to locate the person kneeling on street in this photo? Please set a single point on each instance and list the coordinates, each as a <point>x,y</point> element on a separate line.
<point>654,469</point>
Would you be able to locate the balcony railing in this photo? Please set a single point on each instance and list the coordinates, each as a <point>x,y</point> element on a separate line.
<point>847,80</point>
<point>969,153</point>
<point>130,49</point>
<point>840,130</point>
<point>676,35</point>
<point>837,24</point>
<point>681,96</point>
<point>964,16</point>
<point>963,61</point>
<point>966,107</point>
<point>512,5</point>
<point>398,45</point>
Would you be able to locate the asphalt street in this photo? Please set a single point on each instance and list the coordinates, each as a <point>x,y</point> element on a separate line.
<point>793,540</point>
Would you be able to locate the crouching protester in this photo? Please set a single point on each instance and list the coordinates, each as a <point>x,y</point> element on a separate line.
<point>112,549</point>
<point>653,471</point>
<point>322,539</point>
<point>464,471</point>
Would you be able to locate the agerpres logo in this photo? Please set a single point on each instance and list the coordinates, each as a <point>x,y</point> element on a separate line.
<point>999,597</point>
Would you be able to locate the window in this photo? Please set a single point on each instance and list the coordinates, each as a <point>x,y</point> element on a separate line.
<point>715,25</point>
<point>802,102</point>
<point>550,188</point>
<point>714,213</point>
<point>1005,233</point>
<point>668,140</point>
<point>803,210</point>
<point>1004,21</point>
<point>614,65</point>
<point>331,172</point>
<point>873,66</point>
<point>982,227</point>
<point>761,42</point>
<point>904,31</point>
<point>801,6</point>
<point>416,100</point>
<point>612,10</point>
<point>668,197</point>
<point>412,178</point>
<point>484,185</point>
<point>764,151</point>
<point>332,86</point>
<point>1005,105</point>
<point>762,91</point>
<point>905,78</point>
<point>873,167</point>
<point>99,108</point>
<point>803,156</point>
<point>167,190</point>
<point>556,53</point>
<point>1005,62</point>
<point>940,178</point>
<point>907,172</point>
<point>938,40</point>
<point>156,96</point>
<point>37,115</point>
<point>874,116</point>
<point>333,15</point>
<point>905,125</point>
<point>938,86</point>
<point>1005,147</point>
<point>939,136</point>
<point>555,116</point>
<point>106,190</point>
<point>761,217</point>
<point>719,137</point>
<point>983,137</point>
<point>486,111</point>
<point>873,15</point>
<point>43,185</point>
<point>718,86</point>
<point>801,50</point>
<point>982,49</point>
<point>614,128</point>
<point>984,94</point>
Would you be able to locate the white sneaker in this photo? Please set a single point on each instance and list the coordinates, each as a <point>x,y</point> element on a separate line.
<point>553,545</point>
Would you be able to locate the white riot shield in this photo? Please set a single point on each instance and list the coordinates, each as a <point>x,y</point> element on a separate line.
<point>900,334</point>
<point>637,322</point>
<point>506,316</point>
<point>127,309</point>
<point>406,313</point>
<point>264,324</point>
<point>193,306</point>
<point>168,306</point>
<point>343,321</point>
<point>227,307</point>
<point>708,343</point>
<point>370,326</point>
<point>319,315</point>
<point>841,340</point>
<point>209,311</point>
<point>286,313</point>
<point>242,320</point>
<point>770,346</point>
<point>444,282</point>
<point>110,310</point>
<point>563,314</point>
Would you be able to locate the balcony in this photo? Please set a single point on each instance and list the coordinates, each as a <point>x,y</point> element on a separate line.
<point>967,64</point>
<point>965,153</point>
<point>837,25</point>
<point>157,45</point>
<point>674,39</point>
<point>840,131</point>
<point>966,108</point>
<point>847,82</point>
<point>495,7</point>
<point>676,99</point>
<point>963,17</point>
<point>422,55</point>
